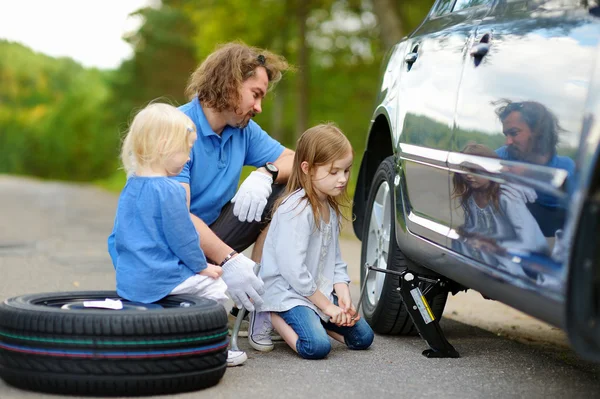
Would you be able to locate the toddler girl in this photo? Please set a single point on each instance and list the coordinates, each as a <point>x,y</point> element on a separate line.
<point>306,280</point>
<point>154,246</point>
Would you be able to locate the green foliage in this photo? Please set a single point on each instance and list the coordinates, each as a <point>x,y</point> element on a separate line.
<point>114,182</point>
<point>427,132</point>
<point>60,120</point>
<point>411,13</point>
<point>51,119</point>
<point>162,62</point>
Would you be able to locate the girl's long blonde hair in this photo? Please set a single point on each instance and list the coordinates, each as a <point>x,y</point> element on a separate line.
<point>156,132</point>
<point>461,190</point>
<point>320,145</point>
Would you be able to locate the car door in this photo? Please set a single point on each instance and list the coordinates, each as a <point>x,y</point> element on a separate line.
<point>431,75</point>
<point>518,124</point>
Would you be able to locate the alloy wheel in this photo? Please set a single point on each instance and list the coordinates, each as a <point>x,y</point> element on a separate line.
<point>378,242</point>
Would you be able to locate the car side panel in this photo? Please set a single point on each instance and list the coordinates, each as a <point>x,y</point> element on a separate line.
<point>538,68</point>
<point>427,94</point>
<point>467,271</point>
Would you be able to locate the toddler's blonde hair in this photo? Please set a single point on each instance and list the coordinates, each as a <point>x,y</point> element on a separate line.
<point>156,132</point>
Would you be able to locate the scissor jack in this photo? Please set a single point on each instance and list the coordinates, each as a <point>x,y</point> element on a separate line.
<point>419,310</point>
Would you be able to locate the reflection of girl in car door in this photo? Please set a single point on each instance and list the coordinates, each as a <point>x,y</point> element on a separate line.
<point>496,219</point>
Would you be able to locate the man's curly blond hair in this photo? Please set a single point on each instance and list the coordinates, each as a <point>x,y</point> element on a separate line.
<point>217,81</point>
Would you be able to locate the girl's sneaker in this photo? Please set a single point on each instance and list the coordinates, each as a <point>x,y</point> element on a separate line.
<point>259,333</point>
<point>235,358</point>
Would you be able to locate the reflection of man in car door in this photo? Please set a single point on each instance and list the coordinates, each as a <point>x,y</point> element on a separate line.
<point>531,132</point>
<point>496,220</point>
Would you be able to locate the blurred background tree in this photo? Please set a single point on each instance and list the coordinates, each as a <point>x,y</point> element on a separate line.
<point>52,117</point>
<point>62,121</point>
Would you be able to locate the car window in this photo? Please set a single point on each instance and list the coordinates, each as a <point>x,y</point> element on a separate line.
<point>558,4</point>
<point>463,4</point>
<point>509,7</point>
<point>443,7</point>
<point>547,4</point>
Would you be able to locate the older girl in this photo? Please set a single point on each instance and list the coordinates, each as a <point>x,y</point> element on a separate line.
<point>306,280</point>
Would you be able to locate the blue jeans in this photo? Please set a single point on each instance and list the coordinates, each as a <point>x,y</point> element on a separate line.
<point>313,341</point>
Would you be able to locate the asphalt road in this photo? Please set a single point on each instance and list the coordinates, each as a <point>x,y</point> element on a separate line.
<point>53,238</point>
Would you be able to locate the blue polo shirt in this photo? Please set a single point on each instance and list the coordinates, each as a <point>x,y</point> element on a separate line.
<point>558,162</point>
<point>216,162</point>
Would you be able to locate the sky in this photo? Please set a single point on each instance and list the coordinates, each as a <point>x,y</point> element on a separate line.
<point>89,31</point>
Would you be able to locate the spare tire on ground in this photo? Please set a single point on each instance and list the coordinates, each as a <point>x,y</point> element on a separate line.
<point>74,343</point>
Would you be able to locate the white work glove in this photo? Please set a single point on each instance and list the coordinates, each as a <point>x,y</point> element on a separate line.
<point>251,198</point>
<point>519,192</point>
<point>242,283</point>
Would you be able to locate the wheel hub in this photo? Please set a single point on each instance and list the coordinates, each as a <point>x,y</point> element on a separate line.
<point>378,241</point>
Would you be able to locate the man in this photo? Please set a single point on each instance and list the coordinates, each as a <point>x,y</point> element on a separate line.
<point>531,132</point>
<point>226,91</point>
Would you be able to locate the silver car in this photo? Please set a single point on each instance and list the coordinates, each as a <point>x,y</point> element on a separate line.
<point>481,165</point>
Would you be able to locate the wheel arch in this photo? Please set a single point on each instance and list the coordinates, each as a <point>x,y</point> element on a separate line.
<point>379,146</point>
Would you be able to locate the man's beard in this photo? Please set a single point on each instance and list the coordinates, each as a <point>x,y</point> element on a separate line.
<point>530,156</point>
<point>244,122</point>
<point>514,153</point>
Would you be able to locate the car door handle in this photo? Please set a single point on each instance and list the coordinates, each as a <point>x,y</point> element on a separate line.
<point>480,50</point>
<point>411,58</point>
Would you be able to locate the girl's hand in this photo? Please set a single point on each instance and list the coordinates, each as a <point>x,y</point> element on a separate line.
<point>212,271</point>
<point>349,310</point>
<point>343,320</point>
<point>353,316</point>
<point>344,300</point>
<point>335,313</point>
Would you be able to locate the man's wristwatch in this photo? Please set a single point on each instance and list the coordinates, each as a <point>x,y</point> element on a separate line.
<point>272,169</point>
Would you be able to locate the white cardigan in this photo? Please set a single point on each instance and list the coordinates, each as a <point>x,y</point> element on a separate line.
<point>298,259</point>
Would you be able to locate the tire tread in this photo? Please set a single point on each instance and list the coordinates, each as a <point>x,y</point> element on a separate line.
<point>28,317</point>
<point>390,315</point>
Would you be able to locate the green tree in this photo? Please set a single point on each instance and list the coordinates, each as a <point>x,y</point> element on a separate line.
<point>164,57</point>
<point>51,117</point>
<point>60,120</point>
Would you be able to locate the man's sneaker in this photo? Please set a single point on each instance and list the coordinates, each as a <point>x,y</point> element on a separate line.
<point>235,358</point>
<point>243,328</point>
<point>260,331</point>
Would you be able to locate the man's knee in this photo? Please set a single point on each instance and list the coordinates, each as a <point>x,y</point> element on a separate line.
<point>240,235</point>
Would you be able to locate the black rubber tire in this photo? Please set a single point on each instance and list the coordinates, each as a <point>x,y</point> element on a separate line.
<point>104,352</point>
<point>390,316</point>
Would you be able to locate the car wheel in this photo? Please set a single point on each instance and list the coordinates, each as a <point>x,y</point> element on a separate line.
<point>382,304</point>
<point>57,343</point>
